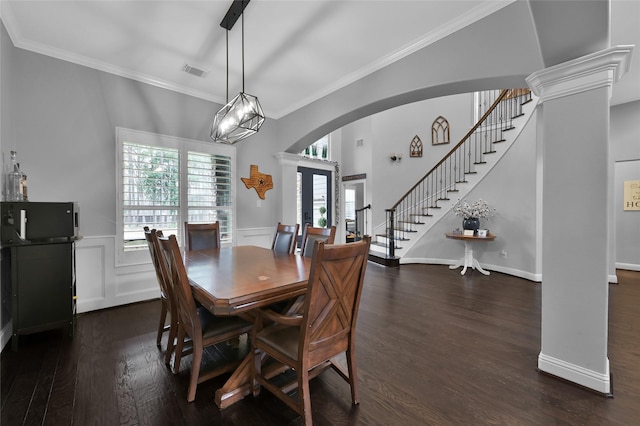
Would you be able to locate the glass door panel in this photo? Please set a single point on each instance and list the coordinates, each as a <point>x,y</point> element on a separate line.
<point>314,197</point>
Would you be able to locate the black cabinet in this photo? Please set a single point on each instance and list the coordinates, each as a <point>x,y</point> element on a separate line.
<point>43,287</point>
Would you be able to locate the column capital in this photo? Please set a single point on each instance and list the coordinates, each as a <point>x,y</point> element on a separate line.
<point>286,158</point>
<point>596,70</point>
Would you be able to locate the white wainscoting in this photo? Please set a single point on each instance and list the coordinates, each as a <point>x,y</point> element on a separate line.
<point>262,237</point>
<point>100,284</point>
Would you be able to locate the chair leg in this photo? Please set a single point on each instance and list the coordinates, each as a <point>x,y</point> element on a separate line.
<point>178,350</point>
<point>305,397</point>
<point>173,331</point>
<point>163,318</point>
<point>353,376</point>
<point>195,370</point>
<point>256,370</point>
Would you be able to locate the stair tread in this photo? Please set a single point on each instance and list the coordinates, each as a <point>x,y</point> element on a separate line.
<point>384,245</point>
<point>395,238</point>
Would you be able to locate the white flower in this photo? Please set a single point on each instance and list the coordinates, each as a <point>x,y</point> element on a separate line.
<point>478,209</point>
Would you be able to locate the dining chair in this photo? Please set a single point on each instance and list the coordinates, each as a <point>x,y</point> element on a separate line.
<point>166,297</point>
<point>284,241</point>
<point>324,328</point>
<point>198,323</point>
<point>312,234</point>
<point>201,236</point>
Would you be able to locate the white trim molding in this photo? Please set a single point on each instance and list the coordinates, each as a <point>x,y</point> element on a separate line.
<point>101,284</point>
<point>600,382</point>
<point>599,69</point>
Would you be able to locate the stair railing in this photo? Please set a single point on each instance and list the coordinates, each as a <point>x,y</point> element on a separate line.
<point>451,170</point>
<point>361,222</point>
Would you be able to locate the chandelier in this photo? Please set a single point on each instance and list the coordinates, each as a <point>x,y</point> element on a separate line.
<point>242,116</point>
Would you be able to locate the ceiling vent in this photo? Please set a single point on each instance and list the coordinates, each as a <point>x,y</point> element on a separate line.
<point>190,69</point>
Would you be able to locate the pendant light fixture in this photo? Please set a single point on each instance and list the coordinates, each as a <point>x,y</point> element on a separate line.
<point>243,116</point>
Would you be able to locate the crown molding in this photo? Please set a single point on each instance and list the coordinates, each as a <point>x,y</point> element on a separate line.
<point>596,70</point>
<point>473,15</point>
<point>484,9</point>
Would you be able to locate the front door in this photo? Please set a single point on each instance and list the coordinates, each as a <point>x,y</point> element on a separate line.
<point>314,197</point>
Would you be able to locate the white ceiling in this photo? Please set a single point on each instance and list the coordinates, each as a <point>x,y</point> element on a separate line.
<point>295,51</point>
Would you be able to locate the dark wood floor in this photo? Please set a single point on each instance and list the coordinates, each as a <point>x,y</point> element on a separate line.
<point>434,348</point>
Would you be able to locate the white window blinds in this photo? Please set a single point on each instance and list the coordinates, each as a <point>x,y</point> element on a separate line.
<point>164,181</point>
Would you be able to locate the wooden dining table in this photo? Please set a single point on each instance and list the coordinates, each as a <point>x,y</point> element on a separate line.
<point>237,280</point>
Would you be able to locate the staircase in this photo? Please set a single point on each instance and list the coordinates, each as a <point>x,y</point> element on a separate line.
<point>453,176</point>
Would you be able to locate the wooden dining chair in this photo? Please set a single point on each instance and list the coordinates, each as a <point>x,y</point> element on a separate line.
<point>166,297</point>
<point>201,236</point>
<point>284,241</point>
<point>324,328</point>
<point>198,323</point>
<point>312,234</point>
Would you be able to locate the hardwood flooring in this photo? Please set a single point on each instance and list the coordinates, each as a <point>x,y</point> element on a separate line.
<point>434,348</point>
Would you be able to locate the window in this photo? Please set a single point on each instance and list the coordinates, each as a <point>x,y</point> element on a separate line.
<point>319,149</point>
<point>164,181</point>
<point>350,203</point>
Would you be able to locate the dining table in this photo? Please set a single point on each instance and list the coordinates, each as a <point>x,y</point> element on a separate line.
<point>236,281</point>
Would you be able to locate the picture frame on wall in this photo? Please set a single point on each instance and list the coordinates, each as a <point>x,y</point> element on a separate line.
<point>416,147</point>
<point>440,134</point>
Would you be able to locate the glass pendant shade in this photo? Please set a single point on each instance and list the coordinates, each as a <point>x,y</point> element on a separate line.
<point>238,119</point>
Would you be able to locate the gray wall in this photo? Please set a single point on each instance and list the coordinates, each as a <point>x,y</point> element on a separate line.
<point>625,151</point>
<point>65,120</point>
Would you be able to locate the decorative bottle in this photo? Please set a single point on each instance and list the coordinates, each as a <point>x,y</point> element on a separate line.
<point>13,180</point>
<point>23,184</point>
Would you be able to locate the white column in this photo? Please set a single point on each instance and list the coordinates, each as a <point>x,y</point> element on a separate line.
<point>289,188</point>
<point>576,214</point>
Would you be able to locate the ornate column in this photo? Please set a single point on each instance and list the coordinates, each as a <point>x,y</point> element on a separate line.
<point>577,214</point>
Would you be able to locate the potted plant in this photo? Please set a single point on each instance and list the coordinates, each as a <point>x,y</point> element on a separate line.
<point>471,213</point>
<point>322,222</point>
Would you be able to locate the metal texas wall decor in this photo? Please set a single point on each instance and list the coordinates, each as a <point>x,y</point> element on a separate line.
<point>261,182</point>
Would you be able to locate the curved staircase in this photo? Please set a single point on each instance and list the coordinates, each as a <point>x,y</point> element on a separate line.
<point>460,170</point>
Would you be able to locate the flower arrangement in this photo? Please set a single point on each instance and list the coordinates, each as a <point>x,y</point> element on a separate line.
<point>478,209</point>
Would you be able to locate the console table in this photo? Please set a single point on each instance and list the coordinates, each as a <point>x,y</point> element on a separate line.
<point>468,261</point>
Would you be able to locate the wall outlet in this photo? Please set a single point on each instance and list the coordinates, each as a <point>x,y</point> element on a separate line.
<point>503,253</point>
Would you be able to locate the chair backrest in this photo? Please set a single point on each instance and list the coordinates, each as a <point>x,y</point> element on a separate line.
<point>332,299</point>
<point>151,235</point>
<point>173,268</point>
<point>284,241</point>
<point>201,236</point>
<point>312,234</point>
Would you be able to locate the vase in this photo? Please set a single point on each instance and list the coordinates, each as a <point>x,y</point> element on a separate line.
<point>473,223</point>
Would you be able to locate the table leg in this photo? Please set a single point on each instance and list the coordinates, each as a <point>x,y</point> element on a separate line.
<point>237,386</point>
<point>476,265</point>
<point>458,264</point>
<point>468,261</point>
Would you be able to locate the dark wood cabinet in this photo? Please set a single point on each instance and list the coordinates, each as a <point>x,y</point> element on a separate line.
<point>43,287</point>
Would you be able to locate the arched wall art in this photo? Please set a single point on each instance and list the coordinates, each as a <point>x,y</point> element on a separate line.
<point>440,131</point>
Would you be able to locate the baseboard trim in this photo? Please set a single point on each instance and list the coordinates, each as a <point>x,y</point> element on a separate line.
<point>628,266</point>
<point>530,276</point>
<point>599,382</point>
